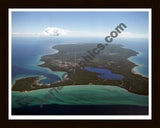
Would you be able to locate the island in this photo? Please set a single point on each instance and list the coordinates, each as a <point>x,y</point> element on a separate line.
<point>110,67</point>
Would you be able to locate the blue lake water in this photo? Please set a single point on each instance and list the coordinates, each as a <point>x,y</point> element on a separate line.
<point>26,53</point>
<point>105,74</point>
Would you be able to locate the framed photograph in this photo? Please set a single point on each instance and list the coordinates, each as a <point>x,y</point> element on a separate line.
<point>79,63</point>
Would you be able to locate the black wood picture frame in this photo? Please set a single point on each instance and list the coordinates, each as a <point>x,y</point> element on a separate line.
<point>6,4</point>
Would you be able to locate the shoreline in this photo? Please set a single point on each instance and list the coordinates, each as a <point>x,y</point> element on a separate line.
<point>136,65</point>
<point>137,73</point>
<point>39,63</point>
<point>80,85</point>
<point>132,71</point>
<point>36,82</point>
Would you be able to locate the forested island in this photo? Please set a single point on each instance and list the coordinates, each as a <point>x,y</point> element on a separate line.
<point>113,58</point>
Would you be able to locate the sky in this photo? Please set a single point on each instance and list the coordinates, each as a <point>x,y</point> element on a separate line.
<point>79,24</point>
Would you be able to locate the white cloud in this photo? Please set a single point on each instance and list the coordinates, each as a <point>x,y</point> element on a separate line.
<point>54,31</point>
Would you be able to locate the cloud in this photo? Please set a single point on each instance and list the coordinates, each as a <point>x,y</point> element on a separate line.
<point>54,31</point>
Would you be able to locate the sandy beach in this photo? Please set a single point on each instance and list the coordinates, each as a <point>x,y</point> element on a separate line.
<point>136,73</point>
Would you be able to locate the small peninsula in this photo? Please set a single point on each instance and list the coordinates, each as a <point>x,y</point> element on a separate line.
<point>113,58</point>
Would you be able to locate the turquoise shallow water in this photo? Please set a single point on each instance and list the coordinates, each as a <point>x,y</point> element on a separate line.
<point>79,95</point>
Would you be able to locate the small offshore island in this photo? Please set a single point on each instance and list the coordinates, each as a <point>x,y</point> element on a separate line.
<point>113,58</point>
